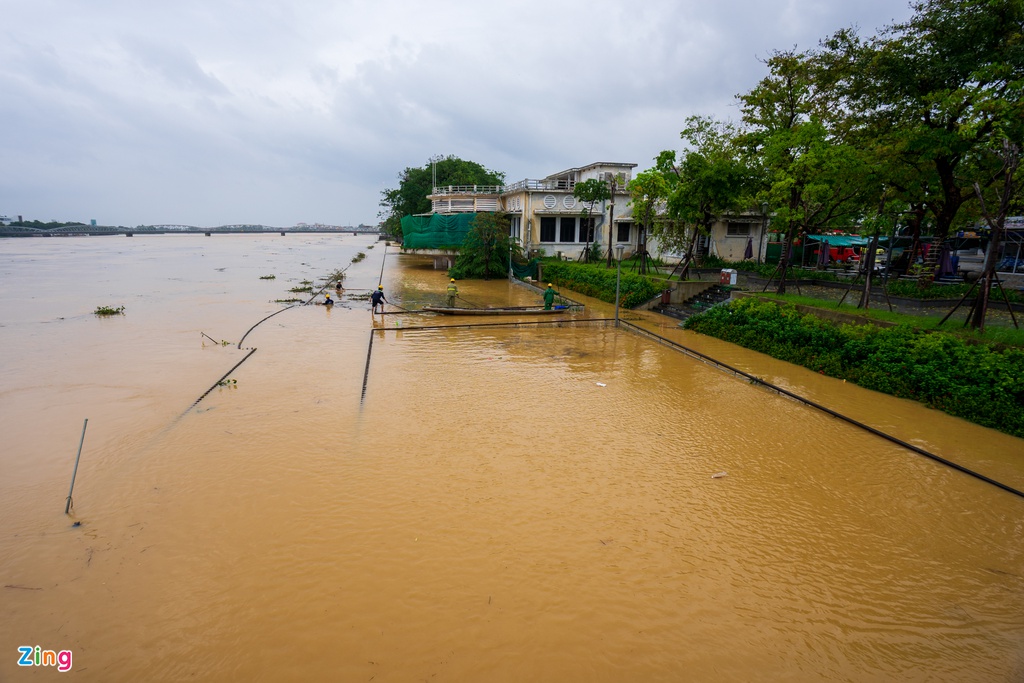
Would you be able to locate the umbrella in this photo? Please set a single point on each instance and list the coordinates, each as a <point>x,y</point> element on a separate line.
<point>823,254</point>
<point>749,251</point>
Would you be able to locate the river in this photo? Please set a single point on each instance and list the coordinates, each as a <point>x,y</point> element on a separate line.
<point>500,503</point>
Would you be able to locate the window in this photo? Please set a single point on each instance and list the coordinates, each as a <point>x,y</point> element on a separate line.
<point>737,230</point>
<point>547,228</point>
<point>567,229</point>
<point>586,230</point>
<point>623,233</point>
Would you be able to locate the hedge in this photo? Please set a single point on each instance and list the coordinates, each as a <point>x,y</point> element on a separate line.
<point>978,382</point>
<point>599,282</point>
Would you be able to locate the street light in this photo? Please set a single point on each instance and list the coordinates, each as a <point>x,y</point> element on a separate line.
<point>764,229</point>
<point>618,278</point>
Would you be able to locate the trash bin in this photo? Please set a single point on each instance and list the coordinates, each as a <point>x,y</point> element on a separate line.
<point>728,277</point>
<point>666,297</point>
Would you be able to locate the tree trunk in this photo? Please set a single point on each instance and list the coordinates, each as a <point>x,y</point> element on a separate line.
<point>869,264</point>
<point>1011,161</point>
<point>980,309</point>
<point>611,222</point>
<point>787,244</point>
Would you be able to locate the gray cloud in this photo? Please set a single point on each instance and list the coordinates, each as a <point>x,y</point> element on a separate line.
<point>276,112</point>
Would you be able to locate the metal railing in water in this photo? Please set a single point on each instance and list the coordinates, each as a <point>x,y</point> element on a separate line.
<point>753,379</point>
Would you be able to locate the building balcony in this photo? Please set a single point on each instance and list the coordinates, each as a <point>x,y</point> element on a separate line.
<point>449,190</point>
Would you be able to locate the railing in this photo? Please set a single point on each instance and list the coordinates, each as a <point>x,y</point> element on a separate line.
<point>467,189</point>
<point>539,185</point>
<point>445,190</point>
<point>473,205</point>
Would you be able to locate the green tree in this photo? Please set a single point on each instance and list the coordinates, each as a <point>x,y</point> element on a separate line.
<point>814,177</point>
<point>648,192</point>
<point>486,250</point>
<point>416,184</point>
<point>590,192</point>
<point>933,91</point>
<point>995,216</point>
<point>712,178</point>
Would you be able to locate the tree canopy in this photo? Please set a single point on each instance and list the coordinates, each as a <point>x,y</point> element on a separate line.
<point>831,136</point>
<point>933,92</point>
<point>590,192</point>
<point>416,184</point>
<point>486,250</point>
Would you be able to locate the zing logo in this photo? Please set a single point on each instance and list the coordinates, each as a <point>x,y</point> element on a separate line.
<point>36,656</point>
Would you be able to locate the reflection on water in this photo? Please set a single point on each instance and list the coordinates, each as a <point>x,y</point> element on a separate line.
<point>507,503</point>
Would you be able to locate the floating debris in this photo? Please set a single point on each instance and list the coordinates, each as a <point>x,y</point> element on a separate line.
<point>601,384</point>
<point>719,475</point>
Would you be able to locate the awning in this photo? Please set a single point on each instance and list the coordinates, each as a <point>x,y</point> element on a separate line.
<point>845,240</point>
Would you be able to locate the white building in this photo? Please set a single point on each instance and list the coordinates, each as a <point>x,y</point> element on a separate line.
<point>544,214</point>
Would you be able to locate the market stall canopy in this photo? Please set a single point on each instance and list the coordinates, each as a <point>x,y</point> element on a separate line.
<point>846,240</point>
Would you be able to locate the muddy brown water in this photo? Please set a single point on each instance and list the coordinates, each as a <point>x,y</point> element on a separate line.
<point>505,503</point>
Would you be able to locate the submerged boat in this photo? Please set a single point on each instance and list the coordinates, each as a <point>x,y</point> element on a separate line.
<point>501,310</point>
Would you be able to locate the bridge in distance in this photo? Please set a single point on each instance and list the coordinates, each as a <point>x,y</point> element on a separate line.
<point>94,230</point>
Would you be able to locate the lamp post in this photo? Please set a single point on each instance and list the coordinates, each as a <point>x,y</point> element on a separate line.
<point>618,278</point>
<point>764,229</point>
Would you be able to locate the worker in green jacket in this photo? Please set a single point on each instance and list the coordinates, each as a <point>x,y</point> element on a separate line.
<point>453,292</point>
<point>549,296</point>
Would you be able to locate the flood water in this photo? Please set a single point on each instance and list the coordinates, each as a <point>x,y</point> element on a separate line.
<point>530,502</point>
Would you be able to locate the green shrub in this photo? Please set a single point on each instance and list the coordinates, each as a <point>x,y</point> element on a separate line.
<point>599,282</point>
<point>978,382</point>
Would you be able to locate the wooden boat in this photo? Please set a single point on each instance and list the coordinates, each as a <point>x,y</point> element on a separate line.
<point>502,310</point>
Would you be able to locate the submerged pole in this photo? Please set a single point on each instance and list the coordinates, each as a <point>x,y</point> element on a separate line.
<point>382,260</point>
<point>366,372</point>
<point>67,505</point>
<point>618,278</point>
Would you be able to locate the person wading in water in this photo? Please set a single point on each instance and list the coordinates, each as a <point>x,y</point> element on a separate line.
<point>377,299</point>
<point>549,296</point>
<point>453,292</point>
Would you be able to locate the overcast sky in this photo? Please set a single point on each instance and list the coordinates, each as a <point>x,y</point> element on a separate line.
<point>211,112</point>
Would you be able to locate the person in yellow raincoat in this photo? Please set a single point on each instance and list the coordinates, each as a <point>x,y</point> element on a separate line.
<point>453,292</point>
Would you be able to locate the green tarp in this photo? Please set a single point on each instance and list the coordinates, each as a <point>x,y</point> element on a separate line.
<point>845,240</point>
<point>442,232</point>
<point>435,231</point>
<point>525,270</point>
